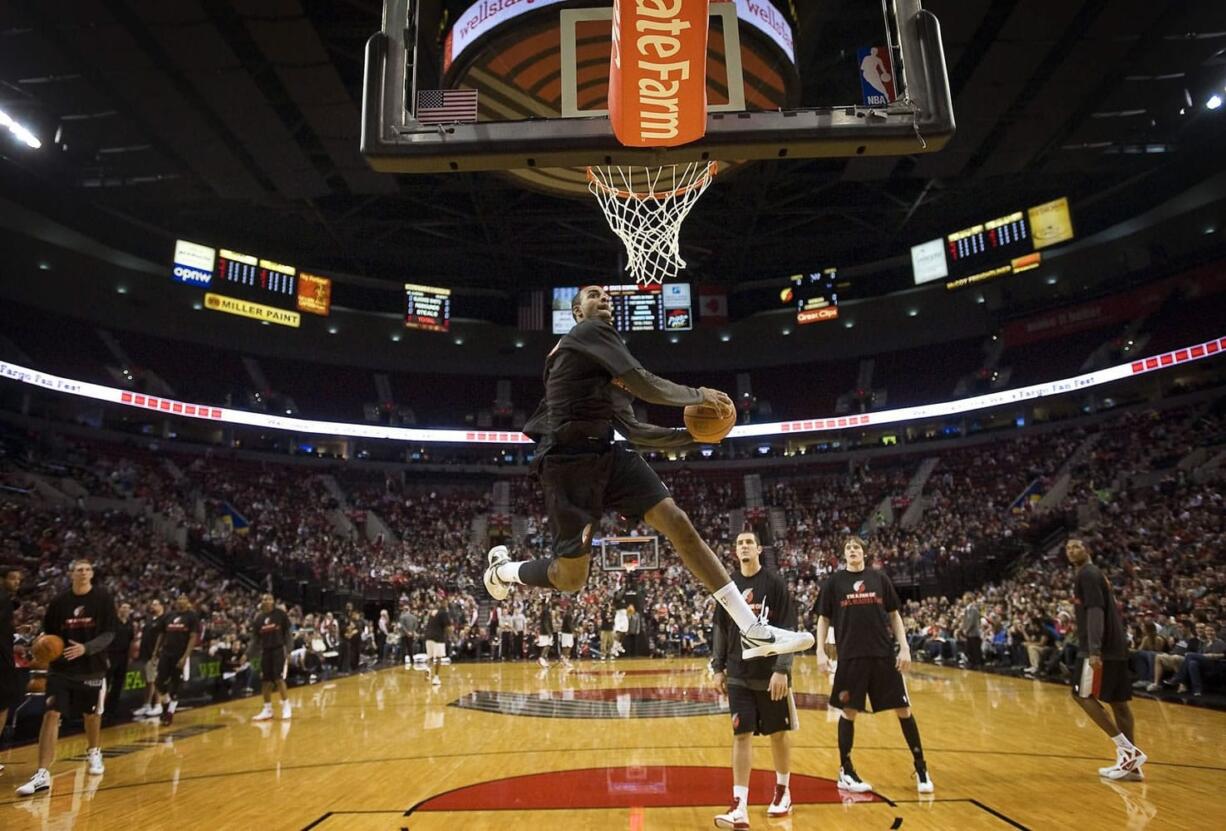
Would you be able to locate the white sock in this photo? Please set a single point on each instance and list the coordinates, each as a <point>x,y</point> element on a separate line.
<point>172,706</point>
<point>741,792</point>
<point>782,778</point>
<point>733,601</point>
<point>1121,741</point>
<point>509,573</point>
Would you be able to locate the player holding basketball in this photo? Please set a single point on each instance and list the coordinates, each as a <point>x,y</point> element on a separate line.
<point>759,689</point>
<point>84,617</point>
<point>11,691</point>
<point>590,381</point>
<point>863,606</point>
<point>179,634</point>
<point>271,630</point>
<point>1103,651</point>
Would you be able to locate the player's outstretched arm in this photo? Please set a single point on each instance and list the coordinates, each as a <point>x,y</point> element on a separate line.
<point>646,435</point>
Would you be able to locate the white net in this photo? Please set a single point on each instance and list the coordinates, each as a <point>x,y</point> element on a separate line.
<point>645,207</point>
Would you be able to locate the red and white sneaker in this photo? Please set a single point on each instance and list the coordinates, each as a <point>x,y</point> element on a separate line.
<point>1127,766</point>
<point>736,817</point>
<point>781,803</point>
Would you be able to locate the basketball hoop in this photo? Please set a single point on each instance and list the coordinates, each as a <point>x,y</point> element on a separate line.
<point>645,207</point>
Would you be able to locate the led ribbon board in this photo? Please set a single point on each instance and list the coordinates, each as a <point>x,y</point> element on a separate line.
<point>54,383</point>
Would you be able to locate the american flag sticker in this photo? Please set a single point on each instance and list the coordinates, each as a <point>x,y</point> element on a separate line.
<point>446,106</point>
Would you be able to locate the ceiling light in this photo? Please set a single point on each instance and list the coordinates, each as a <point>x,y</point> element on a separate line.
<point>519,343</point>
<point>332,330</point>
<point>674,339</point>
<point>1214,101</point>
<point>396,337</point>
<point>981,299</point>
<point>725,337</point>
<point>1051,279</point>
<point>44,266</point>
<point>121,289</point>
<point>459,341</point>
<point>19,131</point>
<point>787,330</point>
<point>197,305</point>
<point>848,324</point>
<point>912,312</point>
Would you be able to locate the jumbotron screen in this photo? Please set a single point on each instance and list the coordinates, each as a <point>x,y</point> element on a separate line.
<point>427,307</point>
<point>655,308</point>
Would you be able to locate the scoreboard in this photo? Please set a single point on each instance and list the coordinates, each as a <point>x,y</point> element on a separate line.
<point>1005,245</point>
<point>654,308</point>
<point>814,295</point>
<point>427,307</point>
<point>250,286</point>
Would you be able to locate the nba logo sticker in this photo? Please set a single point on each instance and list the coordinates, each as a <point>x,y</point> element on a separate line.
<point>876,76</point>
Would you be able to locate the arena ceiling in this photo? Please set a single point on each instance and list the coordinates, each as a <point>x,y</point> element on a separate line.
<point>237,123</point>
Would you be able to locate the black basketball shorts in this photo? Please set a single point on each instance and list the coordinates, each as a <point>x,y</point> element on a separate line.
<point>74,697</point>
<point>876,680</point>
<point>12,688</point>
<point>273,665</point>
<point>1108,683</point>
<point>169,676</point>
<point>754,712</point>
<point>580,487</point>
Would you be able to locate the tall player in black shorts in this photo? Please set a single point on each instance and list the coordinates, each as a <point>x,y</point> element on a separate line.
<point>591,380</point>
<point>759,690</point>
<point>1103,663</point>
<point>84,616</point>
<point>863,606</point>
<point>270,632</point>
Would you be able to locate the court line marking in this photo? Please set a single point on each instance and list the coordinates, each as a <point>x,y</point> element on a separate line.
<point>554,750</point>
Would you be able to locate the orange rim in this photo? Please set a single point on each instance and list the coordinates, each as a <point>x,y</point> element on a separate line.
<point>709,173</point>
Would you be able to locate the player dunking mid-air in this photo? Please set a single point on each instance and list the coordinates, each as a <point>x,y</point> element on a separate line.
<point>1103,653</point>
<point>590,381</point>
<point>863,606</point>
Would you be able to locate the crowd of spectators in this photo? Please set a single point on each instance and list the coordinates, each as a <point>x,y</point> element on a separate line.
<point>1159,542</point>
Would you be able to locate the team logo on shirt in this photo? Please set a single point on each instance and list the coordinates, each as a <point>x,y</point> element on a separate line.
<point>77,612</point>
<point>79,619</point>
<point>755,607</point>
<point>861,595</point>
<point>858,586</point>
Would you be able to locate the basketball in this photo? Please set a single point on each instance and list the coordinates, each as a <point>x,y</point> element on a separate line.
<point>706,424</point>
<point>48,648</point>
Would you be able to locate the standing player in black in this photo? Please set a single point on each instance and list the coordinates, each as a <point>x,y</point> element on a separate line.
<point>438,632</point>
<point>566,638</point>
<point>591,380</point>
<point>271,631</point>
<point>179,636</point>
<point>11,691</point>
<point>544,636</point>
<point>117,654</point>
<point>863,607</point>
<point>1103,674</point>
<point>759,689</point>
<point>84,616</point>
<point>148,639</point>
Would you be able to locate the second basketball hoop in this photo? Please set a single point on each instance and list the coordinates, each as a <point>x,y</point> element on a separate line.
<point>645,207</point>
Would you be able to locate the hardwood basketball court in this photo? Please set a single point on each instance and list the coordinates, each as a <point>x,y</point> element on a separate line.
<point>636,745</point>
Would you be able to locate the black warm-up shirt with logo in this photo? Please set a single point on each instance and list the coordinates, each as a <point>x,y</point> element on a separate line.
<point>765,590</point>
<point>149,636</point>
<point>590,382</point>
<point>1092,591</point>
<point>88,619</point>
<point>436,629</point>
<point>177,629</point>
<point>272,628</point>
<point>858,604</point>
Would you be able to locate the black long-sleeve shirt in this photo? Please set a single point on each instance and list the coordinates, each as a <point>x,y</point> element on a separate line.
<point>88,619</point>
